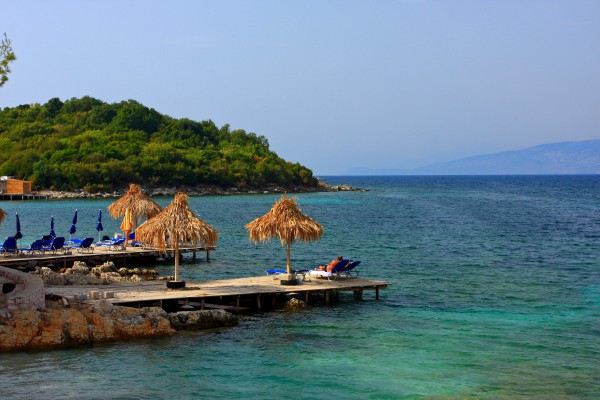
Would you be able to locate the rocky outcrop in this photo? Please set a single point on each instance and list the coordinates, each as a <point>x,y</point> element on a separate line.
<point>85,323</point>
<point>339,188</point>
<point>105,274</point>
<point>202,319</point>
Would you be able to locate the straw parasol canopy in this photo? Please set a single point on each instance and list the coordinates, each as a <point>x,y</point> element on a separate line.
<point>176,224</point>
<point>286,222</point>
<point>138,203</point>
<point>2,215</point>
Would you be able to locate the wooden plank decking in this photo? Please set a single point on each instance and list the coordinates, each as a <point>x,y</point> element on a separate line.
<point>104,254</point>
<point>251,292</point>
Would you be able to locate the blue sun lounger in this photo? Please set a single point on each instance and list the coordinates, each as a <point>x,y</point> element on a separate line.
<point>112,244</point>
<point>57,244</point>
<point>351,268</point>
<point>85,245</point>
<point>302,272</point>
<point>9,246</point>
<point>36,247</point>
<point>335,273</point>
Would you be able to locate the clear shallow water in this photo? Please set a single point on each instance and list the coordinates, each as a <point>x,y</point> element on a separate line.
<point>494,293</point>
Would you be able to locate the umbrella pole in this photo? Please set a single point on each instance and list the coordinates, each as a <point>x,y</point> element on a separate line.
<point>289,264</point>
<point>176,263</point>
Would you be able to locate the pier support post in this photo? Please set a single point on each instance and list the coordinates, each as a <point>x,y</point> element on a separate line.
<point>377,293</point>
<point>207,256</point>
<point>258,302</point>
<point>327,297</point>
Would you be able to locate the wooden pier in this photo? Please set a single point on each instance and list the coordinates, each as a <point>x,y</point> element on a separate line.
<point>98,256</point>
<point>260,293</point>
<point>22,196</point>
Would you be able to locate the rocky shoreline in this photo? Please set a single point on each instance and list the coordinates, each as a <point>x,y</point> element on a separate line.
<point>69,322</point>
<point>201,190</point>
<point>63,324</point>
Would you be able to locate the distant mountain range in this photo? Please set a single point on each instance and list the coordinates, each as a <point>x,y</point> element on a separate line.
<point>548,159</point>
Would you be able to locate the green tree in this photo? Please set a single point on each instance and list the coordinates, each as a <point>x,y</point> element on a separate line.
<point>133,115</point>
<point>7,55</point>
<point>53,106</point>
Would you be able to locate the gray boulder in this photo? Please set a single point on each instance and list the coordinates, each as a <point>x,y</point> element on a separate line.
<point>202,319</point>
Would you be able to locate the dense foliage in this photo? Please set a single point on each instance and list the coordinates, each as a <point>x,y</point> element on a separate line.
<point>86,143</point>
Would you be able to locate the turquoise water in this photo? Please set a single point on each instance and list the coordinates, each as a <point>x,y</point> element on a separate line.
<point>494,293</point>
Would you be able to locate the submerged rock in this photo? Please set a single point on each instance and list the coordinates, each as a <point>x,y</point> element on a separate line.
<point>202,319</point>
<point>295,305</point>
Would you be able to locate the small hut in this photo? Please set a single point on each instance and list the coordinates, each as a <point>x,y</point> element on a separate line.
<point>10,185</point>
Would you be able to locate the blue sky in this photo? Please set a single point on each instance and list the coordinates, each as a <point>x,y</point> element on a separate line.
<point>332,84</point>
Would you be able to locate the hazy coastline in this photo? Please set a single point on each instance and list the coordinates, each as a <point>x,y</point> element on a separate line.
<point>199,190</point>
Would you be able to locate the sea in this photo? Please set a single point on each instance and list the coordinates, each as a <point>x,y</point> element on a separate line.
<point>494,293</point>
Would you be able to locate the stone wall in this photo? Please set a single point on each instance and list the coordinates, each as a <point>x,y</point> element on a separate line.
<point>28,294</point>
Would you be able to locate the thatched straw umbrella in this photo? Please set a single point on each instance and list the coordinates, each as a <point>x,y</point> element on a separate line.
<point>286,222</point>
<point>138,203</point>
<point>176,224</point>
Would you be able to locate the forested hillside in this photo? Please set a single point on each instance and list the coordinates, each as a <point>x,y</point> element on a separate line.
<point>89,144</point>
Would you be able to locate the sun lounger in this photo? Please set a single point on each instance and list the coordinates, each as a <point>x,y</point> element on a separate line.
<point>276,271</point>
<point>112,244</point>
<point>72,243</point>
<point>35,247</point>
<point>351,268</point>
<point>47,240</point>
<point>82,246</point>
<point>9,246</point>
<point>335,273</point>
<point>57,244</point>
<point>133,242</point>
<point>302,272</point>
